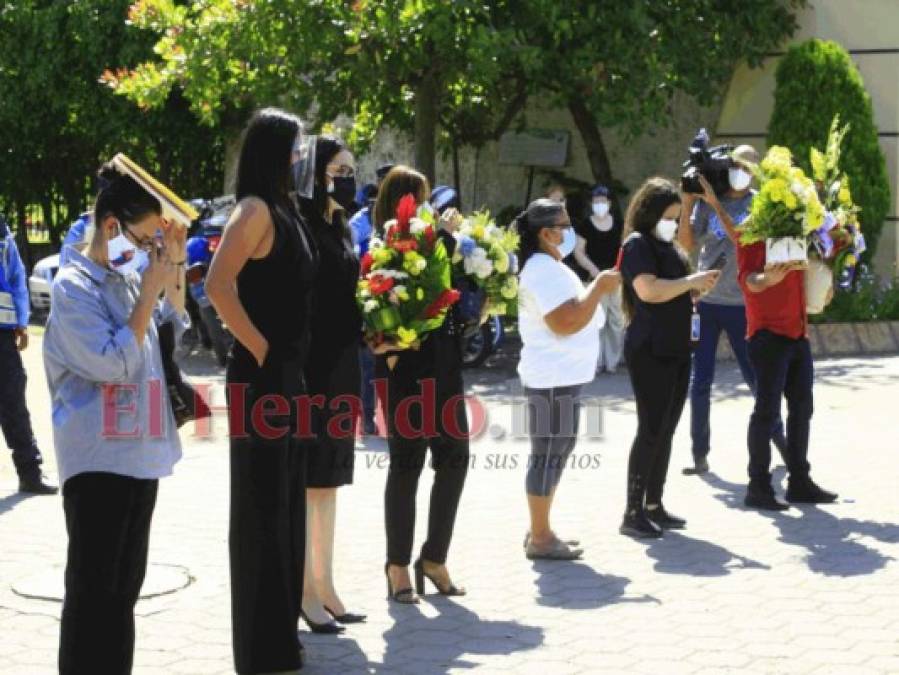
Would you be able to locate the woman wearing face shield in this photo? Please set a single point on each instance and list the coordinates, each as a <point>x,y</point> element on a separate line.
<point>559,323</point>
<point>332,376</point>
<point>101,353</point>
<point>596,249</point>
<point>657,297</point>
<point>260,282</point>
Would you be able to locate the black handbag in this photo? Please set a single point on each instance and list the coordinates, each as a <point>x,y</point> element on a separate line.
<point>187,404</point>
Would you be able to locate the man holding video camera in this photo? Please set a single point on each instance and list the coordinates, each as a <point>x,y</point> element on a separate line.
<point>709,223</point>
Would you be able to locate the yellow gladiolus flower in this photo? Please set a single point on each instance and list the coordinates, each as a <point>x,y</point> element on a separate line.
<point>419,294</point>
<point>406,336</point>
<point>844,196</point>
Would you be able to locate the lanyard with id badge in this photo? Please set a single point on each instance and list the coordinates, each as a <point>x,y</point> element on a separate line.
<point>695,319</point>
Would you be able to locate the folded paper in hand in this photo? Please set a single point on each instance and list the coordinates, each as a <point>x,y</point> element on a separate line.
<point>173,207</point>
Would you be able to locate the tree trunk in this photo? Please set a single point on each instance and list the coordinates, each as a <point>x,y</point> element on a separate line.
<point>232,137</point>
<point>426,108</point>
<point>457,173</point>
<point>596,150</point>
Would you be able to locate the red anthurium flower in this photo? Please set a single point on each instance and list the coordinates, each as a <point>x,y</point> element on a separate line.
<point>403,245</point>
<point>444,300</point>
<point>365,264</point>
<point>430,235</point>
<point>405,211</point>
<point>378,284</point>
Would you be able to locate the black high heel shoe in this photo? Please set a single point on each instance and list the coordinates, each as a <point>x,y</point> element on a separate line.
<point>346,617</point>
<point>322,628</point>
<point>420,575</point>
<point>404,596</point>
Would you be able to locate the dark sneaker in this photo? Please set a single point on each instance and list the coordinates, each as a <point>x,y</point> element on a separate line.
<point>639,526</point>
<point>700,466</point>
<point>764,499</point>
<point>36,484</point>
<point>808,492</point>
<point>665,520</point>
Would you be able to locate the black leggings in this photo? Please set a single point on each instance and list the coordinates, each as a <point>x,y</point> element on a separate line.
<point>660,386</point>
<point>443,420</point>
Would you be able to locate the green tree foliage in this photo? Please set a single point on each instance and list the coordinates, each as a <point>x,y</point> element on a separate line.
<point>58,121</point>
<point>815,81</point>
<point>456,71</point>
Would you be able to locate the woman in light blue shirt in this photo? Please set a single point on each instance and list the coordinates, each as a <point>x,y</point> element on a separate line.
<point>113,428</point>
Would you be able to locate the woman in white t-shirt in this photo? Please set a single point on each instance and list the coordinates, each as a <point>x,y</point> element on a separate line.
<point>559,324</point>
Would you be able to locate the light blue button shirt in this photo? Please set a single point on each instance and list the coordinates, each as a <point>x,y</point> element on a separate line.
<point>92,357</point>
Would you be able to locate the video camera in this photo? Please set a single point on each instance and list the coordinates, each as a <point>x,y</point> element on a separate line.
<point>713,163</point>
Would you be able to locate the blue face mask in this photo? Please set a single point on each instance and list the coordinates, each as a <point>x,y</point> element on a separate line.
<point>566,248</point>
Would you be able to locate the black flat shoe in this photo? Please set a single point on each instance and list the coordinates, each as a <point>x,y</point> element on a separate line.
<point>763,499</point>
<point>700,467</point>
<point>404,596</point>
<point>420,575</point>
<point>665,520</point>
<point>36,485</point>
<point>808,492</point>
<point>346,617</point>
<point>639,526</point>
<point>330,628</point>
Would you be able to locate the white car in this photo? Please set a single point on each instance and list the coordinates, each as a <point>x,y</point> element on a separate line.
<point>41,279</point>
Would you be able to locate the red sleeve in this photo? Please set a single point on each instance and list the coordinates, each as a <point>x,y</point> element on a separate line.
<point>750,259</point>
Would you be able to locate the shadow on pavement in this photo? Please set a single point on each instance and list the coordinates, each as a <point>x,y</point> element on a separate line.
<point>9,502</point>
<point>575,585</point>
<point>833,544</point>
<point>436,644</point>
<point>676,553</point>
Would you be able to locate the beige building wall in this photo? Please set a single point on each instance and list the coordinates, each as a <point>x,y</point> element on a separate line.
<point>869,29</point>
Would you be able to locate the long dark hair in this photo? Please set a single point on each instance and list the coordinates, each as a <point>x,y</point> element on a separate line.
<point>121,196</point>
<point>399,182</point>
<point>326,148</point>
<point>539,214</point>
<point>644,212</point>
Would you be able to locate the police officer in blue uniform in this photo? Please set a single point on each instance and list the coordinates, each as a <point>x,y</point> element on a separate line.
<point>14,418</point>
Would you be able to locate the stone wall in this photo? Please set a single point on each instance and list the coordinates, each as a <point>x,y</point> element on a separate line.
<point>485,182</point>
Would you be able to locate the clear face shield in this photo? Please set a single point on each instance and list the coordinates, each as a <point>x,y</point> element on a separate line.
<point>304,167</point>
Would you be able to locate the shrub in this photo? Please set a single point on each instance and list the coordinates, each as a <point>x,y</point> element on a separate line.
<point>869,300</point>
<point>816,80</point>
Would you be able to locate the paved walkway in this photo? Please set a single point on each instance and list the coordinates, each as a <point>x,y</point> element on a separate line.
<point>813,590</point>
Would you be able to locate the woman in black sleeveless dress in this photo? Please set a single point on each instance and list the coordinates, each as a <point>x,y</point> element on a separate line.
<point>433,371</point>
<point>260,282</point>
<point>332,377</point>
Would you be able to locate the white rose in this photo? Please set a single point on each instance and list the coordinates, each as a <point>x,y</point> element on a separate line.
<point>370,305</point>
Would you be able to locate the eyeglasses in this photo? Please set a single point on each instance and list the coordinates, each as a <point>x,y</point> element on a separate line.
<point>145,243</point>
<point>341,171</point>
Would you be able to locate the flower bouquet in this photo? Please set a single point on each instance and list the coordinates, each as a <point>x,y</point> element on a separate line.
<point>405,286</point>
<point>785,211</point>
<point>837,245</point>
<point>485,257</point>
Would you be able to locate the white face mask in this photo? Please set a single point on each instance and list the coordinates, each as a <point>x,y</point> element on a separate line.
<point>665,229</point>
<point>600,209</point>
<point>739,179</point>
<point>566,246</point>
<point>124,257</point>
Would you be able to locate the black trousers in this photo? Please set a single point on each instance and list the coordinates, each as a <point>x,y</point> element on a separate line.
<point>14,418</point>
<point>108,521</point>
<point>783,368</point>
<point>267,537</point>
<point>660,386</point>
<point>436,368</point>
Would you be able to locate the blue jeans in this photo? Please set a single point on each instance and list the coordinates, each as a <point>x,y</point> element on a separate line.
<point>785,370</point>
<point>367,366</point>
<point>713,320</point>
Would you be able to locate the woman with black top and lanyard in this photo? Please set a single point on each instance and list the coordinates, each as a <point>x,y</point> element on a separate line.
<point>436,363</point>
<point>261,282</point>
<point>332,376</point>
<point>657,301</point>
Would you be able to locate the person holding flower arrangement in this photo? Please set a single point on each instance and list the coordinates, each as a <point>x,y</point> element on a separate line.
<point>777,328</point>
<point>407,304</point>
<point>333,374</point>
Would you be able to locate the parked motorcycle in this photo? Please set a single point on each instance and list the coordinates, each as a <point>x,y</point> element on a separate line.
<point>200,247</point>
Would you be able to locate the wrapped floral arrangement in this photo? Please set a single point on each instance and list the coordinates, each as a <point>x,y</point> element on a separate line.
<point>839,242</point>
<point>785,211</point>
<point>405,286</point>
<point>486,256</point>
